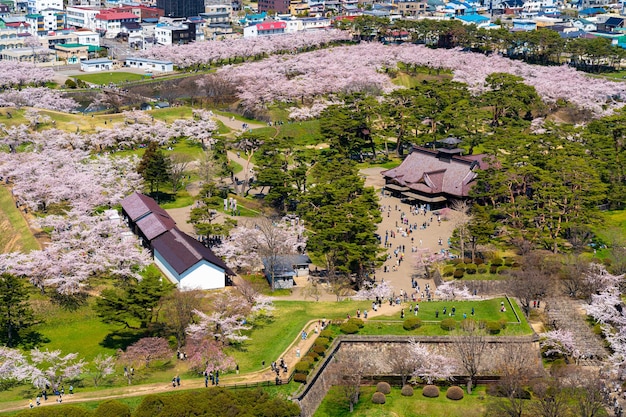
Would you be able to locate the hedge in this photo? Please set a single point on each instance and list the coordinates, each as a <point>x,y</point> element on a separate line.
<point>299,377</point>
<point>112,408</point>
<point>322,341</point>
<point>448,324</point>
<point>303,367</point>
<point>349,328</point>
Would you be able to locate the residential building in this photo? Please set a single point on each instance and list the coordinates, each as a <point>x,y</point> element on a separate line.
<point>181,8</point>
<point>36,55</point>
<point>265,29</point>
<point>142,12</point>
<point>10,37</point>
<point>72,53</point>
<point>175,35</point>
<point>411,8</point>
<point>217,14</point>
<point>283,268</point>
<point>277,6</point>
<point>81,17</point>
<point>49,20</point>
<point>36,6</point>
<point>109,22</point>
<point>87,37</point>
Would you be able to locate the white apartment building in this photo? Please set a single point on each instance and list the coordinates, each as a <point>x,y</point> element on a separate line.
<point>81,17</point>
<point>36,6</point>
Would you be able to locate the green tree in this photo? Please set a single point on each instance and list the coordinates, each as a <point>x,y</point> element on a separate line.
<point>137,304</point>
<point>16,315</point>
<point>154,167</point>
<point>204,214</point>
<point>342,214</point>
<point>509,97</point>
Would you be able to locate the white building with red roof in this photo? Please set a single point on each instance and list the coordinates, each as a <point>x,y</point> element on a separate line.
<point>265,29</point>
<point>110,21</point>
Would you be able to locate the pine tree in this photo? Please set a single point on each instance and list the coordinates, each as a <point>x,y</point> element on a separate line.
<point>154,167</point>
<point>15,312</point>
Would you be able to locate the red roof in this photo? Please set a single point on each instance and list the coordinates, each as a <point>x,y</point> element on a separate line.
<point>115,16</point>
<point>271,25</point>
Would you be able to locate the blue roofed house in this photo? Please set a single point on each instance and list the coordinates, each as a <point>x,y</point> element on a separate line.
<point>474,19</point>
<point>523,24</point>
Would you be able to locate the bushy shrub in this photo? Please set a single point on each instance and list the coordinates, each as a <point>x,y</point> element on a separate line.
<point>448,270</point>
<point>322,341</point>
<point>383,387</point>
<point>320,350</point>
<point>454,393</point>
<point>471,268</point>
<point>299,377</point>
<point>303,367</point>
<point>349,328</point>
<point>412,323</point>
<point>69,83</point>
<point>481,269</point>
<point>493,327</point>
<point>460,265</point>
<point>467,260</point>
<point>469,324</point>
<point>358,322</point>
<point>497,262</point>
<point>479,261</point>
<point>378,398</point>
<point>407,391</point>
<point>112,408</point>
<point>493,269</point>
<point>458,273</point>
<point>431,391</point>
<point>328,334</point>
<point>448,324</point>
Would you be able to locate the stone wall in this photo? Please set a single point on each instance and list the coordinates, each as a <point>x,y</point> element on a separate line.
<point>380,348</point>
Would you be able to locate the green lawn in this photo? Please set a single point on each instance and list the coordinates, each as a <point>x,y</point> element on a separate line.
<point>487,310</point>
<point>271,337</point>
<point>171,114</point>
<point>306,133</point>
<point>397,405</point>
<point>15,235</point>
<point>110,77</point>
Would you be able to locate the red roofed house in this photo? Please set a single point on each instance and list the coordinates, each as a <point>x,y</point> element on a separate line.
<point>436,177</point>
<point>181,258</point>
<point>110,21</point>
<point>265,29</point>
<point>188,263</point>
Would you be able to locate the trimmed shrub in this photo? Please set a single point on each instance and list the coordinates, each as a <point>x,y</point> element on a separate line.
<point>431,391</point>
<point>509,262</point>
<point>69,83</point>
<point>454,393</point>
<point>407,391</point>
<point>502,270</point>
<point>493,269</point>
<point>320,350</point>
<point>328,334</point>
<point>383,387</point>
<point>412,323</point>
<point>479,261</point>
<point>298,377</point>
<point>456,261</point>
<point>378,398</point>
<point>58,411</point>
<point>458,273</point>
<point>460,265</point>
<point>482,268</point>
<point>467,260</point>
<point>502,323</point>
<point>448,324</point>
<point>357,322</point>
<point>471,268</point>
<point>493,327</point>
<point>112,408</point>
<point>313,355</point>
<point>307,359</point>
<point>448,270</point>
<point>497,262</point>
<point>322,341</point>
<point>349,328</point>
<point>303,367</point>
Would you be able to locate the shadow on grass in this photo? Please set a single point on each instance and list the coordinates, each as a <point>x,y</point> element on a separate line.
<point>162,197</point>
<point>121,339</point>
<point>32,339</point>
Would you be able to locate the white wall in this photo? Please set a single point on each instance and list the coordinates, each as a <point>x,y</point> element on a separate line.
<point>203,275</point>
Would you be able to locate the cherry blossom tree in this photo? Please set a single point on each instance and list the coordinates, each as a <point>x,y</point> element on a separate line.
<point>451,290</point>
<point>14,366</point>
<point>102,366</point>
<point>429,365</point>
<point>40,97</point>
<point>17,74</point>
<point>145,351</point>
<point>382,290</point>
<point>208,356</point>
<point>219,326</point>
<point>51,368</point>
<point>559,342</point>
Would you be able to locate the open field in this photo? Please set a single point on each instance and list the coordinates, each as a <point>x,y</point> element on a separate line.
<point>15,235</point>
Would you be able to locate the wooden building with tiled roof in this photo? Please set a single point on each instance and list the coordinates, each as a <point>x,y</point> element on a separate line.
<point>433,176</point>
